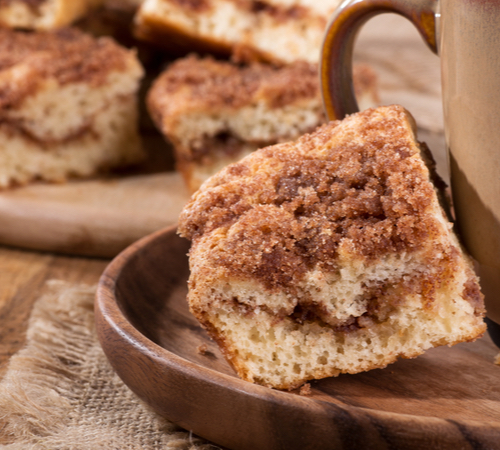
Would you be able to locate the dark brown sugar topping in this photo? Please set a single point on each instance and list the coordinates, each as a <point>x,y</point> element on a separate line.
<point>359,185</point>
<point>217,83</point>
<point>67,55</point>
<point>280,13</point>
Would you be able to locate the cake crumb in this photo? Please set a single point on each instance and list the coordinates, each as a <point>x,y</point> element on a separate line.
<point>497,359</point>
<point>202,349</point>
<point>305,389</point>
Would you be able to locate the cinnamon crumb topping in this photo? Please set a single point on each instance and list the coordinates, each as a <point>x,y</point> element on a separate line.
<point>358,185</point>
<point>216,83</point>
<point>473,295</point>
<point>279,13</point>
<point>66,54</point>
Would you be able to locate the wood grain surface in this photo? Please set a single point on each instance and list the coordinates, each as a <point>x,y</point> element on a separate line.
<point>97,217</point>
<point>23,275</point>
<point>448,398</point>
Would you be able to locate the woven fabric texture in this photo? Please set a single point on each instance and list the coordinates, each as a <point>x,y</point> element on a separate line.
<point>60,392</point>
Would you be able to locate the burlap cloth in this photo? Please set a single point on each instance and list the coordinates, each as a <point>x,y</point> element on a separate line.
<point>60,392</point>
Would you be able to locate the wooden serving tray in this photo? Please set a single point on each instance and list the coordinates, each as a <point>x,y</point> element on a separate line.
<point>448,398</point>
<point>100,216</point>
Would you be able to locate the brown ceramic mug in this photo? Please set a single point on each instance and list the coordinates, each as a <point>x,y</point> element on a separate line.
<point>466,36</point>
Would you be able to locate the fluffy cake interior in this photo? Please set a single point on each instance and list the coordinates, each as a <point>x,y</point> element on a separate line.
<point>329,255</point>
<point>43,14</point>
<point>215,112</point>
<point>112,142</point>
<point>283,31</point>
<point>343,328</point>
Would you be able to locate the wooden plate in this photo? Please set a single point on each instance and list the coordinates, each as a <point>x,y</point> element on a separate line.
<point>448,398</point>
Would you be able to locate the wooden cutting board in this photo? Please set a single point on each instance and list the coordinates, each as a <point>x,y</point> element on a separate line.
<point>94,217</point>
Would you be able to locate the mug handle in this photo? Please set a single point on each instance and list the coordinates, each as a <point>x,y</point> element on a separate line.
<point>338,44</point>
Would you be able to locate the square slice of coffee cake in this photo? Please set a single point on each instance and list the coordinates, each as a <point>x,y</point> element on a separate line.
<point>215,112</point>
<point>272,30</point>
<point>68,105</point>
<point>329,255</point>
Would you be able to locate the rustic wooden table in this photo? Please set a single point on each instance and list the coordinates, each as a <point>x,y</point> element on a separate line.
<point>409,74</point>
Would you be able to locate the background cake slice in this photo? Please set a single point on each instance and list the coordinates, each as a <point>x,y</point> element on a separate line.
<point>113,18</point>
<point>68,105</point>
<point>273,30</point>
<point>329,255</point>
<point>43,14</point>
<point>215,112</point>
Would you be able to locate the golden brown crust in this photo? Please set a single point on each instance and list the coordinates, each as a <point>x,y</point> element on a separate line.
<point>66,55</point>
